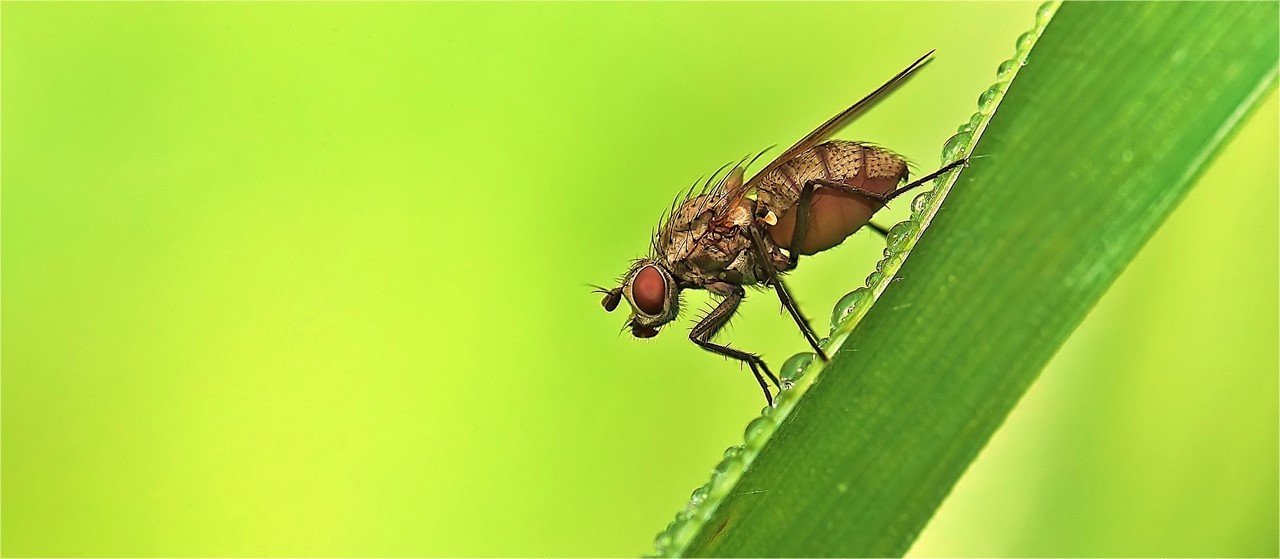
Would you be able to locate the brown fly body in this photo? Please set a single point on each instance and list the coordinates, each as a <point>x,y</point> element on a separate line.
<point>732,233</point>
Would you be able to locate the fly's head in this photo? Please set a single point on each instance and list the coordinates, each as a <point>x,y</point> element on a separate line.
<point>653,294</point>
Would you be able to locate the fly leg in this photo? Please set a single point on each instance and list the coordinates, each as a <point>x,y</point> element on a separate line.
<point>715,320</point>
<point>806,196</point>
<point>949,166</point>
<point>784,295</point>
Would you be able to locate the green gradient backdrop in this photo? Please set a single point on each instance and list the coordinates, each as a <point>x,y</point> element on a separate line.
<point>308,279</point>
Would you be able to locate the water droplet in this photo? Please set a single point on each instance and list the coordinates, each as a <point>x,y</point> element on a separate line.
<point>767,411</point>
<point>794,368</point>
<point>698,496</point>
<point>965,128</point>
<point>663,539</point>
<point>889,264</point>
<point>1025,41</point>
<point>899,234</point>
<point>758,431</point>
<point>723,478</point>
<point>976,119</point>
<point>874,279</point>
<point>684,534</point>
<point>954,147</point>
<point>918,205</point>
<point>787,396</point>
<point>733,452</point>
<point>846,306</point>
<point>1006,70</point>
<point>987,101</point>
<point>728,466</point>
<point>1044,13</point>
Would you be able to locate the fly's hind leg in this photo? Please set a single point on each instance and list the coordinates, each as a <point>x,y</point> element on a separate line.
<point>715,320</point>
<point>806,196</point>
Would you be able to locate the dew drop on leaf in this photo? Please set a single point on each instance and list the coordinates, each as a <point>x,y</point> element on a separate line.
<point>794,368</point>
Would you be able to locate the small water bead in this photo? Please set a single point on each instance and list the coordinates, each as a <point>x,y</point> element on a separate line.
<point>787,397</point>
<point>794,367</point>
<point>767,411</point>
<point>880,265</point>
<point>1026,40</point>
<point>899,234</point>
<point>889,264</point>
<point>1045,13</point>
<point>847,305</point>
<point>954,147</point>
<point>987,101</point>
<point>723,478</point>
<point>663,539</point>
<point>1006,70</point>
<point>733,452</point>
<point>965,128</point>
<point>698,496</point>
<point>727,467</point>
<point>976,119</point>
<point>758,431</point>
<point>919,204</point>
<point>684,534</point>
<point>874,279</point>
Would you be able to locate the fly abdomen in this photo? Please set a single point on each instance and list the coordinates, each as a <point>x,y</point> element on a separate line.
<point>869,172</point>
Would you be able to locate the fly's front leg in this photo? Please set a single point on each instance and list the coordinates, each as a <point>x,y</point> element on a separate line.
<point>715,320</point>
<point>757,240</point>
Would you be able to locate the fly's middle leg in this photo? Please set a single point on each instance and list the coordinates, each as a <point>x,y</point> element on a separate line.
<point>784,295</point>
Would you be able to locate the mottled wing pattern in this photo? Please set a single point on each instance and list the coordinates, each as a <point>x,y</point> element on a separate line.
<point>853,163</point>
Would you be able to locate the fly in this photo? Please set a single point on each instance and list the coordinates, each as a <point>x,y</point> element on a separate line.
<point>737,233</point>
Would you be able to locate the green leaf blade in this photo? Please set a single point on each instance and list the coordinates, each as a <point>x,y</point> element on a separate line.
<point>1118,110</point>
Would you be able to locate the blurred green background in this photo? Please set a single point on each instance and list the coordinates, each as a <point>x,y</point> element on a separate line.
<point>310,279</point>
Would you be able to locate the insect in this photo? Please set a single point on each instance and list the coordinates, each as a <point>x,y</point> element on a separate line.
<point>747,233</point>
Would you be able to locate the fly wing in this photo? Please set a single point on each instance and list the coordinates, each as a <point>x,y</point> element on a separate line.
<point>840,120</point>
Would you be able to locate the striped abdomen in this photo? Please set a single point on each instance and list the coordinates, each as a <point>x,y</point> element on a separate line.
<point>834,214</point>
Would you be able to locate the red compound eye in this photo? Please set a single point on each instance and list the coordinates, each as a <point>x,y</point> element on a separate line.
<point>649,291</point>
